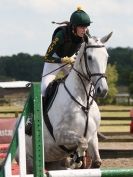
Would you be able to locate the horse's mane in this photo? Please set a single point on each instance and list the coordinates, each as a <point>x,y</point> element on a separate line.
<point>95,38</point>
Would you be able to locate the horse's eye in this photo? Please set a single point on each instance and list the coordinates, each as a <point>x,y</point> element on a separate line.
<point>89,57</point>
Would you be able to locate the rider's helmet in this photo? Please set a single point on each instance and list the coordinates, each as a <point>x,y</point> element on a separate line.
<point>80,18</point>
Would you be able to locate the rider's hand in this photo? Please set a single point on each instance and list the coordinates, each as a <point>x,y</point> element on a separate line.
<point>68,60</point>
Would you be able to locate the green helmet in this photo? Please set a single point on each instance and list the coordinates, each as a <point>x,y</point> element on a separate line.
<point>80,18</point>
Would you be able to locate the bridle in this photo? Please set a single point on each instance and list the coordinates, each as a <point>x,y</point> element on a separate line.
<point>87,77</point>
<point>87,67</point>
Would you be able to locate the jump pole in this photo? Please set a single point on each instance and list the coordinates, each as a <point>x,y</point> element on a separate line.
<point>92,173</point>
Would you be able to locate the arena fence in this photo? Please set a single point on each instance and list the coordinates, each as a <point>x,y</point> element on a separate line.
<point>33,108</point>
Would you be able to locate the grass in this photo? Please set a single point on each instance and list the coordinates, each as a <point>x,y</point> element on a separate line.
<point>10,111</point>
<point>116,129</point>
<point>115,114</point>
<point>10,108</point>
<point>116,125</point>
<point>115,107</point>
<point>6,110</point>
<point>106,107</point>
<point>106,125</point>
<point>116,122</point>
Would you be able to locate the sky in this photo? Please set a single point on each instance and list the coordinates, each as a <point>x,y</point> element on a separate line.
<point>25,25</point>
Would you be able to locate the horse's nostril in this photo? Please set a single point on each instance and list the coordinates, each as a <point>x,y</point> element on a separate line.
<point>101,92</point>
<point>98,90</point>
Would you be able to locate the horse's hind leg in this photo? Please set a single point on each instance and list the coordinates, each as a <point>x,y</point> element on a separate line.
<point>94,152</point>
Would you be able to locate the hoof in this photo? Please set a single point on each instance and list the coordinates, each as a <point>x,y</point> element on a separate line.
<point>96,164</point>
<point>69,163</point>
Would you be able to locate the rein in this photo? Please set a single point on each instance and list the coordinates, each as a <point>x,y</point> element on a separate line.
<point>55,70</point>
<point>83,76</point>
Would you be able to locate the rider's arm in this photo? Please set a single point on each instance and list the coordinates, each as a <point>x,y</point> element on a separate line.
<point>55,44</point>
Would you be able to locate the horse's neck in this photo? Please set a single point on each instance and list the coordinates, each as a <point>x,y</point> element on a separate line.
<point>74,84</point>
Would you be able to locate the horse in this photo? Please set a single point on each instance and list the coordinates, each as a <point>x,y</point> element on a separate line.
<point>74,115</point>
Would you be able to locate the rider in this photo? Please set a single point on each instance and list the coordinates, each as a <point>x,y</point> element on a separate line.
<point>66,41</point>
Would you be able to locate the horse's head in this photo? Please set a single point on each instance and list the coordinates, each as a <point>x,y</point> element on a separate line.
<point>95,63</point>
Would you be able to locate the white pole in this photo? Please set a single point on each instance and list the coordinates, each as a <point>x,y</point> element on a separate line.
<point>76,173</point>
<point>8,166</point>
<point>22,148</point>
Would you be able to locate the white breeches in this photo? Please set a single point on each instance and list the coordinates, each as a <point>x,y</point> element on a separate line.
<point>49,67</point>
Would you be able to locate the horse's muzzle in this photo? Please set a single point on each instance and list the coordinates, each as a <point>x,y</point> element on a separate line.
<point>101,92</point>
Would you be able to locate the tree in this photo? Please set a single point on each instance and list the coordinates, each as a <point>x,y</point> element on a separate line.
<point>123,59</point>
<point>130,87</point>
<point>21,67</point>
<point>112,78</point>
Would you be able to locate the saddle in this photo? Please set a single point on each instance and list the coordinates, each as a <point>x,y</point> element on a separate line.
<point>51,93</point>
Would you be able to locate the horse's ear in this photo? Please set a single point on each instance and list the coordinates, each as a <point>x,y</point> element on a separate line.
<point>86,38</point>
<point>106,38</point>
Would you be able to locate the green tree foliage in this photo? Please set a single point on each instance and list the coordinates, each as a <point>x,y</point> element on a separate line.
<point>131,83</point>
<point>26,67</point>
<point>123,59</point>
<point>131,89</point>
<point>112,78</point>
<point>21,67</point>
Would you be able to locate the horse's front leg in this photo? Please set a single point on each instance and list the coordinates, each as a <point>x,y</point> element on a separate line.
<point>70,138</point>
<point>93,151</point>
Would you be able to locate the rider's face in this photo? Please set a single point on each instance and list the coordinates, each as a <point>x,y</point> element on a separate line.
<point>81,30</point>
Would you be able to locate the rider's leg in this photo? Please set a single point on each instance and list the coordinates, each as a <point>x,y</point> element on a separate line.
<point>44,84</point>
<point>48,68</point>
<point>46,80</point>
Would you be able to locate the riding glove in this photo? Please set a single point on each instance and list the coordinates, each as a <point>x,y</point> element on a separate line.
<point>68,60</point>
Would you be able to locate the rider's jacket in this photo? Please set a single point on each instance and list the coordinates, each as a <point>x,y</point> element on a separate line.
<point>64,43</point>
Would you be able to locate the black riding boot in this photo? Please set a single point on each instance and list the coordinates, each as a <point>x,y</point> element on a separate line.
<point>28,127</point>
